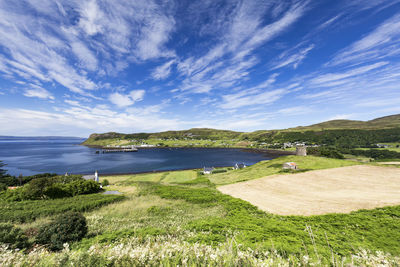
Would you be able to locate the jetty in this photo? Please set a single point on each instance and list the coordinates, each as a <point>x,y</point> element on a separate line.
<point>114,149</point>
<point>119,150</point>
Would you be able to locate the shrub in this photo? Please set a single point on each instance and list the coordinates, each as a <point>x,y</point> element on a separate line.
<point>13,236</point>
<point>105,182</point>
<point>3,187</point>
<point>81,187</point>
<point>36,188</point>
<point>66,228</point>
<point>57,191</point>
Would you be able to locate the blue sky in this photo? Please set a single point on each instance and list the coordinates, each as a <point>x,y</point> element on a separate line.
<point>74,67</point>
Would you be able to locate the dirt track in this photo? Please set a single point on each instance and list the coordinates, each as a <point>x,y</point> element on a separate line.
<point>339,190</point>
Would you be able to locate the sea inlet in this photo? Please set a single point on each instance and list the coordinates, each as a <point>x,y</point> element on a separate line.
<point>28,156</point>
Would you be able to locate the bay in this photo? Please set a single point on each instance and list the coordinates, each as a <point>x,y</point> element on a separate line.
<point>28,156</point>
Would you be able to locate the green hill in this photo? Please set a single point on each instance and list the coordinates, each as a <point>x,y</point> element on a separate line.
<point>379,123</point>
<point>325,132</point>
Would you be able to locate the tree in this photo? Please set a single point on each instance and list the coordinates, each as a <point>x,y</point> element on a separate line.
<point>2,171</point>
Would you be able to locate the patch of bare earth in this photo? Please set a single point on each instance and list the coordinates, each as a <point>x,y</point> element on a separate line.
<point>339,190</point>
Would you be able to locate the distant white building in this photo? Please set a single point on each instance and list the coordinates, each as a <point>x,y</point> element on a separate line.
<point>289,166</point>
<point>94,177</point>
<point>208,170</point>
<point>239,166</point>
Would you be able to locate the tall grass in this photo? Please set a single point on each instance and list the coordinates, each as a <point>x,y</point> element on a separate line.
<point>172,251</point>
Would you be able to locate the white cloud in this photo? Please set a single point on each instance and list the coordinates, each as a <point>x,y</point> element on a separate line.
<point>331,77</point>
<point>163,71</point>
<point>246,98</point>
<point>122,100</point>
<point>379,44</point>
<point>137,95</point>
<point>38,92</point>
<point>293,59</point>
<point>228,62</point>
<point>77,121</point>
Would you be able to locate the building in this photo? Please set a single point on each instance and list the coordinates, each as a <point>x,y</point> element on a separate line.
<point>239,166</point>
<point>301,151</point>
<point>94,177</point>
<point>289,166</point>
<point>208,170</point>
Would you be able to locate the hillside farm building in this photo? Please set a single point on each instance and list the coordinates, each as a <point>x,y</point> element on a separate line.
<point>208,170</point>
<point>289,166</point>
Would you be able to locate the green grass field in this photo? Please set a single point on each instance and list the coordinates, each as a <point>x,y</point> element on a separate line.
<point>180,218</point>
<point>270,167</point>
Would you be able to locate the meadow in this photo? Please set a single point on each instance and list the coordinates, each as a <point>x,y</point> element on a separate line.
<point>180,218</point>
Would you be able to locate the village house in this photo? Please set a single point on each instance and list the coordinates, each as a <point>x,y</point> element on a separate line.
<point>289,166</point>
<point>239,166</point>
<point>208,170</point>
<point>94,177</point>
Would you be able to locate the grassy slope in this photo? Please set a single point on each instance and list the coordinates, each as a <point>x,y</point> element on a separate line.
<point>270,167</point>
<point>198,213</point>
<point>202,214</point>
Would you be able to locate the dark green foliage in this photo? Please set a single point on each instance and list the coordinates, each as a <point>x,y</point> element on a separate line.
<point>219,171</point>
<point>13,236</point>
<point>29,210</point>
<point>3,187</point>
<point>66,228</point>
<point>52,187</point>
<point>328,152</point>
<point>82,187</point>
<point>16,181</point>
<point>105,182</point>
<point>373,153</point>
<point>35,189</point>
<point>2,171</point>
<point>377,229</point>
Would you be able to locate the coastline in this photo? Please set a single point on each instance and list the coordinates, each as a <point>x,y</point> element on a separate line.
<point>257,150</point>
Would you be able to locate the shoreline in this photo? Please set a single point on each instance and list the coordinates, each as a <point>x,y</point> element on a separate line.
<point>258,150</point>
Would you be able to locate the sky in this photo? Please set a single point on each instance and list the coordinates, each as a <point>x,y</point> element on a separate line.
<point>72,68</point>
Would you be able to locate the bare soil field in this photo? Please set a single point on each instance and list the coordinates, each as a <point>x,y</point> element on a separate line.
<point>339,190</point>
<point>390,163</point>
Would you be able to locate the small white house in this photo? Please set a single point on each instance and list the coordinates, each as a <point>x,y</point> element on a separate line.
<point>239,166</point>
<point>94,177</point>
<point>289,166</point>
<point>208,170</point>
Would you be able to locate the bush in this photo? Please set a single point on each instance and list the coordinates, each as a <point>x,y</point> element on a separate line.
<point>57,191</point>
<point>328,152</point>
<point>81,187</point>
<point>3,187</point>
<point>66,228</point>
<point>105,182</point>
<point>36,188</point>
<point>13,236</point>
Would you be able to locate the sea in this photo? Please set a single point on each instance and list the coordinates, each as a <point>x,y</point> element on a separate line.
<point>33,155</point>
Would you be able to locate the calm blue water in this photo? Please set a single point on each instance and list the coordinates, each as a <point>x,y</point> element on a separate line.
<point>29,156</point>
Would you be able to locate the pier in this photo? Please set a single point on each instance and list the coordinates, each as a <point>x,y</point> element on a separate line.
<point>117,150</point>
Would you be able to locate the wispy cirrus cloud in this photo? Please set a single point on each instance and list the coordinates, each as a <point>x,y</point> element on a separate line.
<point>377,45</point>
<point>163,71</point>
<point>65,41</point>
<point>228,62</point>
<point>291,58</point>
